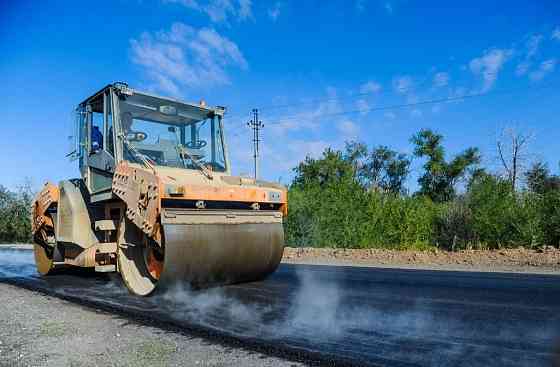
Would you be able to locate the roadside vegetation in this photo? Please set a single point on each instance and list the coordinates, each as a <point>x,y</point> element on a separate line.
<point>357,198</point>
<point>15,214</point>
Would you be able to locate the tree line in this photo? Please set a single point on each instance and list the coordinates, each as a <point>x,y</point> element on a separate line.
<point>15,214</point>
<point>357,197</point>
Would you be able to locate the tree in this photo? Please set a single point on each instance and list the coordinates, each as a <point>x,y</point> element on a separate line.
<point>355,153</point>
<point>332,167</point>
<point>15,214</point>
<point>328,202</point>
<point>539,179</point>
<point>544,189</point>
<point>511,152</point>
<point>386,170</point>
<point>440,177</point>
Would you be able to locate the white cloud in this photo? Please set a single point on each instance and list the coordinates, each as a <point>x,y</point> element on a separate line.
<point>548,65</point>
<point>533,44</point>
<point>307,119</point>
<point>186,56</point>
<point>193,4</point>
<point>274,12</point>
<point>362,106</point>
<point>305,130</point>
<point>219,10</point>
<point>556,34</point>
<point>441,79</point>
<point>458,92</point>
<point>545,68</point>
<point>348,130</point>
<point>390,115</point>
<point>313,148</point>
<point>489,65</point>
<point>412,98</point>
<point>522,68</point>
<point>370,87</point>
<point>285,157</point>
<point>416,113</point>
<point>245,11</point>
<point>403,84</point>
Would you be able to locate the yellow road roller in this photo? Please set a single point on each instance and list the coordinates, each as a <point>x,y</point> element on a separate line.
<point>156,201</point>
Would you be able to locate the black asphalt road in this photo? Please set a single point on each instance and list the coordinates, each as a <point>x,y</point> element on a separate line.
<point>346,315</point>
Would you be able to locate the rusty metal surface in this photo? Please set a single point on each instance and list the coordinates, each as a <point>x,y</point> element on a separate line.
<point>140,191</point>
<point>202,249</point>
<point>229,193</point>
<point>43,262</point>
<point>43,227</point>
<point>74,215</point>
<point>207,254</point>
<point>201,246</point>
<point>195,216</point>
<point>46,198</point>
<point>85,258</point>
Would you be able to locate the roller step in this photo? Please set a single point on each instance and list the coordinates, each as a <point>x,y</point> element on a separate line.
<point>106,247</point>
<point>105,225</point>
<point>105,268</point>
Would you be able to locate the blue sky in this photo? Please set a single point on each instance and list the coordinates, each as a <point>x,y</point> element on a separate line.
<point>305,64</point>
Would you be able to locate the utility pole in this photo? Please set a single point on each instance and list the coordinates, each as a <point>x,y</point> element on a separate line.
<point>256,125</point>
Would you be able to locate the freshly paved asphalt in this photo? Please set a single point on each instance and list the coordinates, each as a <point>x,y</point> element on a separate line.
<point>344,315</point>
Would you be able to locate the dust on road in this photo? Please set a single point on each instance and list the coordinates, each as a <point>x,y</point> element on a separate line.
<point>39,330</point>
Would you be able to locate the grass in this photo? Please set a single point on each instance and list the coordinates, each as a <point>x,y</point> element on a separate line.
<point>53,329</point>
<point>153,353</point>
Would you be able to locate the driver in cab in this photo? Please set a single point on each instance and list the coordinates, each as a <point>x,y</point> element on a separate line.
<point>126,125</point>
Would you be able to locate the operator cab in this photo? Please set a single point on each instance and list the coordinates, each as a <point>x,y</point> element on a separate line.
<point>119,123</point>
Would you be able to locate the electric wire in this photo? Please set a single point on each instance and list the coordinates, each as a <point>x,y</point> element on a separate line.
<point>337,98</point>
<point>413,104</point>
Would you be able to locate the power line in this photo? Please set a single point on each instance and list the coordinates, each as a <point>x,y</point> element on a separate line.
<point>407,105</point>
<point>337,98</point>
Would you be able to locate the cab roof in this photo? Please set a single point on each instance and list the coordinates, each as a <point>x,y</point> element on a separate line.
<point>195,108</point>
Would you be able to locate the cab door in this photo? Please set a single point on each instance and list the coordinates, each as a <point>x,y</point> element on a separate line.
<point>100,144</point>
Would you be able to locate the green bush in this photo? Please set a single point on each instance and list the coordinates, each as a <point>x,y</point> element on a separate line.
<point>502,217</point>
<point>548,211</point>
<point>15,215</point>
<point>396,221</point>
<point>356,199</point>
<point>488,215</point>
<point>345,215</point>
<point>329,215</point>
<point>300,226</point>
<point>454,226</point>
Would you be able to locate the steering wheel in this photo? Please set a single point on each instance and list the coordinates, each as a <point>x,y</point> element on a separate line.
<point>197,144</point>
<point>136,136</point>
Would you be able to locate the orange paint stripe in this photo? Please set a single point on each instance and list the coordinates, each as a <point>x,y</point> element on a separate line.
<point>195,192</point>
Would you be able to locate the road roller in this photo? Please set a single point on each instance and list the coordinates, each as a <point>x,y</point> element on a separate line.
<point>156,200</point>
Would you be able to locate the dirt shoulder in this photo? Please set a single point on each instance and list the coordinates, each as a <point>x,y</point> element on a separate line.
<point>38,330</point>
<point>546,260</point>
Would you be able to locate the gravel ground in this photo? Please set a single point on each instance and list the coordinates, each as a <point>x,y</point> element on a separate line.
<point>520,260</point>
<point>38,330</point>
